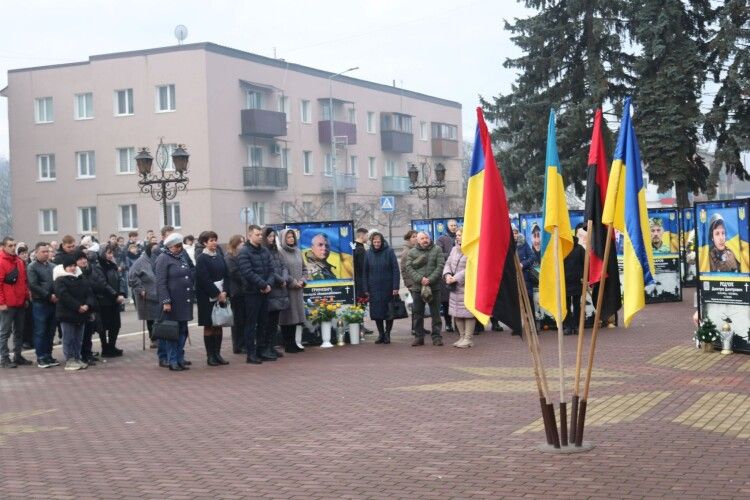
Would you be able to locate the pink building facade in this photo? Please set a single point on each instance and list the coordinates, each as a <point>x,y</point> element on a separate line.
<point>257,130</point>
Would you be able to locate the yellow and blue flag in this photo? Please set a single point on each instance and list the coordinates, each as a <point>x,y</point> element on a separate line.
<point>554,215</point>
<point>625,209</point>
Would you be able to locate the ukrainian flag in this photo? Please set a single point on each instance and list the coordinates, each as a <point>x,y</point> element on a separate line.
<point>554,215</point>
<point>625,208</point>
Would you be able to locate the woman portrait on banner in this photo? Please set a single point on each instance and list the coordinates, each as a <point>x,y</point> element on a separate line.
<point>721,258</point>
<point>381,283</point>
<point>211,284</point>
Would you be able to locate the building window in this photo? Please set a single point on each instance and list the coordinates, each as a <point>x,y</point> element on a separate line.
<point>395,121</point>
<point>285,163</point>
<point>85,161</point>
<point>255,156</point>
<point>165,98</point>
<point>253,99</point>
<point>286,210</point>
<point>84,106</point>
<point>328,170</point>
<point>304,112</point>
<point>283,107</point>
<point>48,221</point>
<point>173,214</point>
<point>123,102</point>
<point>256,213</point>
<point>444,131</point>
<point>353,167</point>
<point>423,131</point>
<point>125,160</point>
<point>390,168</point>
<point>372,170</point>
<point>43,110</point>
<point>87,220</point>
<point>46,164</point>
<point>352,115</point>
<point>171,148</point>
<point>128,217</point>
<point>371,122</point>
<point>325,111</point>
<point>307,163</point>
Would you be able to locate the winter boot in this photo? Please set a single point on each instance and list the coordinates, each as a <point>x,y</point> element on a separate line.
<point>298,337</point>
<point>210,356</point>
<point>217,349</point>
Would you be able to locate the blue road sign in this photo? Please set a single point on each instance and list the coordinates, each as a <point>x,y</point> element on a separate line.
<point>387,203</point>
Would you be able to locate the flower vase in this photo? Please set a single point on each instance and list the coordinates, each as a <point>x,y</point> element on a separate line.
<point>354,333</point>
<point>708,347</point>
<point>325,333</point>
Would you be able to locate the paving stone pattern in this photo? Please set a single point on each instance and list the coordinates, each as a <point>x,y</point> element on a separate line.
<point>376,421</point>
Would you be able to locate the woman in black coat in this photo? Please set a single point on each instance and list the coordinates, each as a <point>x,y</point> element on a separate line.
<point>110,296</point>
<point>381,283</point>
<point>210,288</point>
<point>236,293</point>
<point>174,285</point>
<point>278,299</point>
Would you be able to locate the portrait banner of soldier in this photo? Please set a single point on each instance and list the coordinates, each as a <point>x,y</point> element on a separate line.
<point>423,226</point>
<point>723,262</point>
<point>327,251</point>
<point>687,247</point>
<point>664,226</point>
<point>435,227</point>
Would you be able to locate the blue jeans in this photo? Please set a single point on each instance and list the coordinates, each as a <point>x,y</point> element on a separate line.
<point>72,339</point>
<point>176,348</point>
<point>44,328</point>
<point>161,350</point>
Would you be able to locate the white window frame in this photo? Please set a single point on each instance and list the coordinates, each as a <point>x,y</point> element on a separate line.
<point>286,160</point>
<point>253,99</point>
<point>283,106</point>
<point>87,215</point>
<point>46,171</point>
<point>354,166</point>
<point>130,108</point>
<point>424,131</point>
<point>43,213</point>
<point>307,163</point>
<point>252,151</point>
<point>171,148</point>
<point>371,122</point>
<point>305,111</point>
<point>44,110</point>
<point>171,101</point>
<point>84,110</point>
<point>133,209</point>
<point>174,214</point>
<point>258,209</point>
<point>118,165</point>
<point>372,167</point>
<point>351,115</point>
<point>390,168</point>
<point>328,164</point>
<point>89,164</point>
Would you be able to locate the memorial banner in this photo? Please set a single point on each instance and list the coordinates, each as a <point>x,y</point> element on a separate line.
<point>687,246</point>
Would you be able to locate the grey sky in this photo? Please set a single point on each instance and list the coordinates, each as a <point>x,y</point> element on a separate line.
<point>448,48</point>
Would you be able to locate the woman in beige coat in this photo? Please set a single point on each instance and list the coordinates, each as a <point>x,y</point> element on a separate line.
<point>454,274</point>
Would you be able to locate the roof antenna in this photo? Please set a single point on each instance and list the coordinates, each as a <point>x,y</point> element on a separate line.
<point>180,33</point>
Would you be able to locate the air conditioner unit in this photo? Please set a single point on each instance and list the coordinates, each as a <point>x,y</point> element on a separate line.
<point>276,148</point>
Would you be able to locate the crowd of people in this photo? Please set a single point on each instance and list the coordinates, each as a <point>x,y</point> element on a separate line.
<point>78,288</point>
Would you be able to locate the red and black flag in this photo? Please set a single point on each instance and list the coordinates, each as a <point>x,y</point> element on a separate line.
<point>596,190</point>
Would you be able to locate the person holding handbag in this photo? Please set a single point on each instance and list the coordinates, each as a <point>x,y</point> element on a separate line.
<point>174,286</point>
<point>381,283</point>
<point>293,318</point>
<point>278,299</point>
<point>454,273</point>
<point>210,287</point>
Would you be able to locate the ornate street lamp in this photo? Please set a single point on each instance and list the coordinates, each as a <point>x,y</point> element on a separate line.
<point>166,184</point>
<point>429,188</point>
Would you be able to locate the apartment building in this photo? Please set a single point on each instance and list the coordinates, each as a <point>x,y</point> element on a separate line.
<point>258,131</point>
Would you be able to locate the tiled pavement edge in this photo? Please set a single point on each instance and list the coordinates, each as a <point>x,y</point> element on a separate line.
<point>375,421</point>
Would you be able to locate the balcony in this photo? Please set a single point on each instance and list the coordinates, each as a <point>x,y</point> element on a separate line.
<point>394,141</point>
<point>340,129</point>
<point>396,185</point>
<point>264,178</point>
<point>345,183</point>
<point>444,148</point>
<point>263,123</point>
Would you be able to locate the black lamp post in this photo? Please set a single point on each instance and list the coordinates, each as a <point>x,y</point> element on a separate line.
<point>429,188</point>
<point>166,184</point>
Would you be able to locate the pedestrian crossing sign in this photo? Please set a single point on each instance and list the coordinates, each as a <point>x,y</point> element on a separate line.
<point>387,203</point>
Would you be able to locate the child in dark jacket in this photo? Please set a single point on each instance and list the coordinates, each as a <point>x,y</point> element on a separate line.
<point>75,305</point>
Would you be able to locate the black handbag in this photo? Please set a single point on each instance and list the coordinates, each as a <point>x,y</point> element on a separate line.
<point>165,329</point>
<point>397,309</point>
<point>11,277</point>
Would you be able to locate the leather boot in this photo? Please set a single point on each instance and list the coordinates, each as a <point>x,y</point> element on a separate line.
<point>419,340</point>
<point>289,344</point>
<point>210,356</point>
<point>466,340</point>
<point>217,349</point>
<point>460,333</point>
<point>298,337</point>
<point>266,353</point>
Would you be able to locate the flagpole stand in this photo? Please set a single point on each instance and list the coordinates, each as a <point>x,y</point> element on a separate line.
<point>566,450</point>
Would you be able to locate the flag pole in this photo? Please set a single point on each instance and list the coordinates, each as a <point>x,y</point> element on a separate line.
<point>558,320</point>
<point>594,334</point>
<point>529,329</point>
<point>581,325</point>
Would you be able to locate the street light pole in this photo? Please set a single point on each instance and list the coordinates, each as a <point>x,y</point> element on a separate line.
<point>167,184</point>
<point>333,141</point>
<point>431,189</point>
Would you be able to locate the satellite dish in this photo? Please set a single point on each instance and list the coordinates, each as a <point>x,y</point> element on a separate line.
<point>180,33</point>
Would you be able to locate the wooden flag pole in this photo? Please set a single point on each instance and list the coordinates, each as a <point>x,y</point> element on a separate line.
<point>581,324</point>
<point>594,334</point>
<point>558,320</point>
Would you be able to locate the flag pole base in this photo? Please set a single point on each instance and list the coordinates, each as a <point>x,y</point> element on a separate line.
<point>566,450</point>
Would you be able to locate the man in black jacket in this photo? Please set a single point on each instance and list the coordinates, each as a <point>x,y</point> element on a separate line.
<point>256,270</point>
<point>574,285</point>
<point>43,300</point>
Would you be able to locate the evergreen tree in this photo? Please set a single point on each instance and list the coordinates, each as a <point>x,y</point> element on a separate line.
<point>671,70</point>
<point>573,60</point>
<point>728,121</point>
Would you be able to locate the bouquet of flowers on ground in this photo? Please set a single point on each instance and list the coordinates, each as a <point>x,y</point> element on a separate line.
<point>353,314</point>
<point>707,332</point>
<point>321,310</point>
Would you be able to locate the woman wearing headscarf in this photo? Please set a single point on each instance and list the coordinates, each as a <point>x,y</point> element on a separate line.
<point>236,293</point>
<point>292,319</point>
<point>381,283</point>
<point>278,299</point>
<point>142,281</point>
<point>454,275</point>
<point>211,281</point>
<point>174,287</point>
